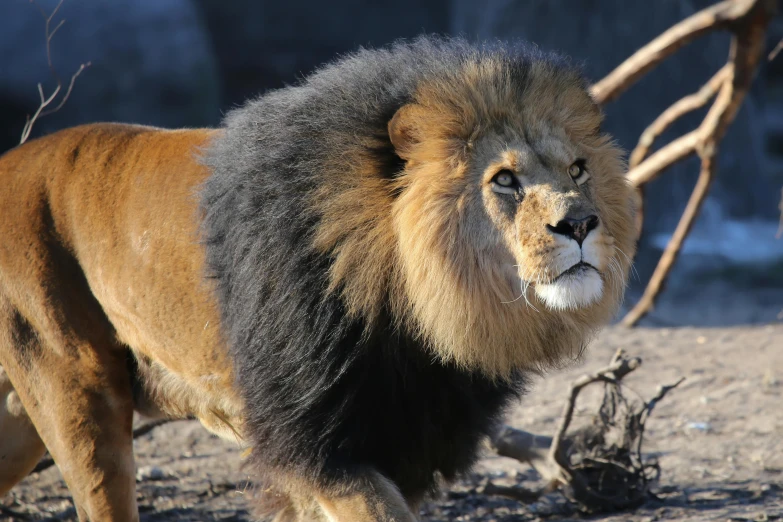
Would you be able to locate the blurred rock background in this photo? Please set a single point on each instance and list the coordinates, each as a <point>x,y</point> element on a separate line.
<point>185,62</point>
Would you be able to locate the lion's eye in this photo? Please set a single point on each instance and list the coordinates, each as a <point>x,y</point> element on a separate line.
<point>505,182</point>
<point>504,178</point>
<point>578,172</point>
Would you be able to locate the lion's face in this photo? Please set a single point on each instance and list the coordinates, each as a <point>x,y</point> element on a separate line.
<point>514,222</point>
<point>534,202</point>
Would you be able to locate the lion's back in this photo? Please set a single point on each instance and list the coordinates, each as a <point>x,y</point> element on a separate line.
<point>117,206</point>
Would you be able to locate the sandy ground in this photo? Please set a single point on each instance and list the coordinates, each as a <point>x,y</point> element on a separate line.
<point>718,438</point>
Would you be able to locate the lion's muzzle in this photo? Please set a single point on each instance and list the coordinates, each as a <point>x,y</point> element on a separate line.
<point>576,264</point>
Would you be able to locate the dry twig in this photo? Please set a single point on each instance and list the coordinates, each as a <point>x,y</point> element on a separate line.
<point>747,20</point>
<point>600,467</point>
<point>46,101</point>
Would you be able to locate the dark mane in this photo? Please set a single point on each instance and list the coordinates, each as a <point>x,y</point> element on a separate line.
<point>328,392</point>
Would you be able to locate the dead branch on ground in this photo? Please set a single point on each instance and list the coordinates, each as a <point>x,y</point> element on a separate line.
<point>599,467</point>
<point>46,101</point>
<point>747,20</point>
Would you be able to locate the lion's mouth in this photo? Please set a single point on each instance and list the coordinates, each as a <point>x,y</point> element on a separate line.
<point>576,270</point>
<point>577,287</point>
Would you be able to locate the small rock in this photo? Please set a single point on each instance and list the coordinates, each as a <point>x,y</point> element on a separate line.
<point>151,473</point>
<point>769,381</point>
<point>704,427</point>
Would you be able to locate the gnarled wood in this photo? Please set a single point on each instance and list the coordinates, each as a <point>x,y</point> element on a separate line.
<point>747,20</point>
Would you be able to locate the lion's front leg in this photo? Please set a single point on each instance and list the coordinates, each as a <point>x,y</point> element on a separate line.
<point>373,498</point>
<point>370,497</point>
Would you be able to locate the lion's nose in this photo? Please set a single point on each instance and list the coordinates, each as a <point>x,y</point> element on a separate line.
<point>576,229</point>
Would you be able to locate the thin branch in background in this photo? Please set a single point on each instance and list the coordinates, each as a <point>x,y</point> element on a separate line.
<point>676,111</point>
<point>773,54</point>
<point>718,16</point>
<point>46,101</point>
<point>747,20</point>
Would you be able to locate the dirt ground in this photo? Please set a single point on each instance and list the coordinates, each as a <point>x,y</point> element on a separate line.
<point>718,438</point>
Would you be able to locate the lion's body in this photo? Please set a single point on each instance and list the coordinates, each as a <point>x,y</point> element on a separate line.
<point>100,253</point>
<point>336,295</point>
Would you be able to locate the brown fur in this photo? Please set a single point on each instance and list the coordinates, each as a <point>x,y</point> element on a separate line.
<point>100,253</point>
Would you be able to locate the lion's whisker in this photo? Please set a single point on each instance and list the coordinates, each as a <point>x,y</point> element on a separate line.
<point>527,301</point>
<point>631,266</point>
<point>523,295</point>
<point>514,300</point>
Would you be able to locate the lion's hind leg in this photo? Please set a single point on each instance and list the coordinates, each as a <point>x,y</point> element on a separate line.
<point>20,446</point>
<point>72,380</point>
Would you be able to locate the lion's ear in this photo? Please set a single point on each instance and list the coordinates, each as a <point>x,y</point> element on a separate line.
<point>404,129</point>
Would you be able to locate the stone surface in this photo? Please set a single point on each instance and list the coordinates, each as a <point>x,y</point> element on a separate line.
<point>732,472</point>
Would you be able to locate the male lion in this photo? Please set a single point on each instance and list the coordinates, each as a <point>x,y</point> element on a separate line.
<point>353,277</point>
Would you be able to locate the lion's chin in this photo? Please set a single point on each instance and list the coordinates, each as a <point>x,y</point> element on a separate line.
<point>572,291</point>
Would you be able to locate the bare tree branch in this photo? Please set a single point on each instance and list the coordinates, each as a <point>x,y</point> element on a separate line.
<point>526,447</point>
<point>44,100</point>
<point>673,247</point>
<point>774,52</point>
<point>735,79</point>
<point>676,111</point>
<point>638,197</point>
<point>664,158</point>
<point>780,207</point>
<point>718,16</point>
<point>747,20</point>
<point>67,94</point>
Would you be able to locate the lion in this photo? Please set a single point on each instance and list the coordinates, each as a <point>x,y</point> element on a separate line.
<point>352,278</point>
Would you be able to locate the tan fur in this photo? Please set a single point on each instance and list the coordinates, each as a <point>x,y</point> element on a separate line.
<point>100,254</point>
<point>370,497</point>
<point>376,499</point>
<point>20,445</point>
